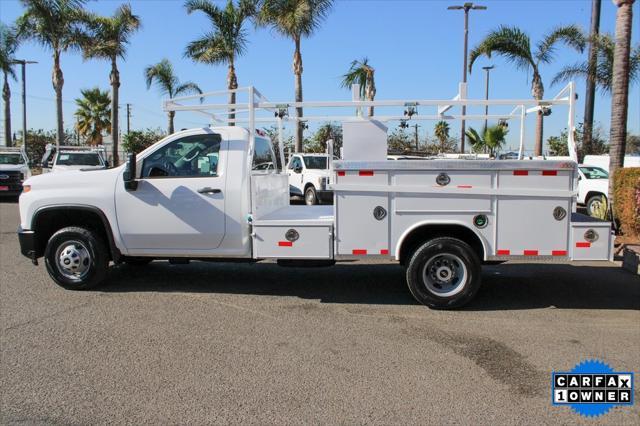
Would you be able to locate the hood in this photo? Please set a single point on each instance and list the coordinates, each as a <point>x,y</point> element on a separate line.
<point>59,168</point>
<point>74,178</point>
<point>12,167</point>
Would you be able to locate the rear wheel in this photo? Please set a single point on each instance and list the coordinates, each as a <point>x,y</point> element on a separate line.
<point>444,273</point>
<point>76,258</point>
<point>310,196</point>
<point>595,204</point>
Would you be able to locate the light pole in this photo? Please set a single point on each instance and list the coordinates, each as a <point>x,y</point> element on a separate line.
<point>487,69</point>
<point>466,7</point>
<point>24,98</point>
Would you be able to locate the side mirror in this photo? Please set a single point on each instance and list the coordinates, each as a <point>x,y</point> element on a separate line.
<point>298,169</point>
<point>106,164</point>
<point>129,177</point>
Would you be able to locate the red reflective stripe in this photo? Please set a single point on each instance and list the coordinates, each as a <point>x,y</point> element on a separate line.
<point>559,253</point>
<point>384,251</point>
<point>549,173</point>
<point>504,252</point>
<point>365,173</point>
<point>531,252</point>
<point>285,243</point>
<point>359,251</point>
<point>521,172</point>
<point>583,245</point>
<point>341,173</point>
<point>465,186</point>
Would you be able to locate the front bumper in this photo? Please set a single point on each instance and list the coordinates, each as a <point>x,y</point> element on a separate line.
<point>27,241</point>
<point>325,195</point>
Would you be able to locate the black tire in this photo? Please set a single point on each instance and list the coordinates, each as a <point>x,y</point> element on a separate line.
<point>460,262</point>
<point>310,196</point>
<point>598,198</point>
<point>138,261</point>
<point>90,253</point>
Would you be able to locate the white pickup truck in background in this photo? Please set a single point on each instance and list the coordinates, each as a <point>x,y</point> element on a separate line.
<point>14,169</point>
<point>593,185</point>
<point>309,177</point>
<point>66,158</point>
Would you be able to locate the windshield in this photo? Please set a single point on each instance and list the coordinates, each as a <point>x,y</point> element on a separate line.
<point>78,159</point>
<point>594,173</point>
<point>315,162</point>
<point>11,158</point>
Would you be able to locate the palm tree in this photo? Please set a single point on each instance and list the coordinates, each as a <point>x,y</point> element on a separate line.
<point>441,131</point>
<point>603,75</point>
<point>168,84</point>
<point>295,19</point>
<point>8,47</point>
<point>362,73</point>
<point>109,37</point>
<point>56,25</point>
<point>93,114</point>
<point>515,45</point>
<point>226,41</point>
<point>620,89</point>
<point>492,139</point>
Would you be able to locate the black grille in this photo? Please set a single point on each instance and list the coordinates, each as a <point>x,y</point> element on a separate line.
<point>10,178</point>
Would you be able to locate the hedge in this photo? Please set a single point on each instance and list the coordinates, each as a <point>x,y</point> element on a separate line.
<point>626,204</point>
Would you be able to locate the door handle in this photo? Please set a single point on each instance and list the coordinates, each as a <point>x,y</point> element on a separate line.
<point>209,190</point>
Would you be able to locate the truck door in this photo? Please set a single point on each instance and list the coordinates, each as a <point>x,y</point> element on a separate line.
<point>179,204</point>
<point>295,176</point>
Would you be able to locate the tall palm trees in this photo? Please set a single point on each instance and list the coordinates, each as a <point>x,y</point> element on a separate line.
<point>55,24</point>
<point>226,41</point>
<point>295,19</point>
<point>108,39</point>
<point>362,73</point>
<point>168,84</point>
<point>441,131</point>
<point>492,138</point>
<point>8,47</point>
<point>515,45</point>
<point>620,88</point>
<point>93,114</point>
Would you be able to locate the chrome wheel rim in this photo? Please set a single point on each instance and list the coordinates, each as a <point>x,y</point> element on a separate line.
<point>445,275</point>
<point>73,260</point>
<point>595,205</point>
<point>310,197</point>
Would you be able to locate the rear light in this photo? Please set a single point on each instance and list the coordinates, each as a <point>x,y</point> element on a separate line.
<point>26,188</point>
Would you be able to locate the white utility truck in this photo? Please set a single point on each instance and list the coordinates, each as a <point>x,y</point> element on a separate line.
<point>66,158</point>
<point>309,178</point>
<point>593,186</point>
<point>14,169</point>
<point>204,194</point>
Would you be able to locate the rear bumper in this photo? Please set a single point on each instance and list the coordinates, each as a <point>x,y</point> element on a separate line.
<point>27,241</point>
<point>325,195</point>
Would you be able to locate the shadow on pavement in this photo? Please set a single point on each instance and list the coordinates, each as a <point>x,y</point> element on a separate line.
<point>505,287</point>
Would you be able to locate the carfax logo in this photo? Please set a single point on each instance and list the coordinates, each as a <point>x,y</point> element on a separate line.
<point>592,388</point>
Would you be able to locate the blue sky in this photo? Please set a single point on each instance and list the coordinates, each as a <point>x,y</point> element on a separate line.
<point>415,47</point>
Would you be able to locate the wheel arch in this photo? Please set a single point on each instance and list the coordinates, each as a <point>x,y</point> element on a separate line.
<point>422,231</point>
<point>47,220</point>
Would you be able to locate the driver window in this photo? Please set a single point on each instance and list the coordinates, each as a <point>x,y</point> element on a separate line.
<point>295,163</point>
<point>191,156</point>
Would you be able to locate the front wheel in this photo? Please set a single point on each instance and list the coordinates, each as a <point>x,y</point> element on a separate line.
<point>310,196</point>
<point>595,205</point>
<point>444,273</point>
<point>76,258</point>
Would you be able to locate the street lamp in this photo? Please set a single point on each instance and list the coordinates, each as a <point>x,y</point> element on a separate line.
<point>466,7</point>
<point>24,97</point>
<point>487,69</point>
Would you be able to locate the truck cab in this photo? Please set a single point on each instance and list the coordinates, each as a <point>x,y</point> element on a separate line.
<point>14,169</point>
<point>309,177</point>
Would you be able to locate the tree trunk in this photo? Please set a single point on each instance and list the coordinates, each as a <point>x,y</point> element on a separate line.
<point>170,116</point>
<point>371,92</point>
<point>58,81</point>
<point>620,90</point>
<point>115,86</point>
<point>6,96</point>
<point>537,90</point>
<point>297,70</point>
<point>232,84</point>
<point>589,99</point>
<point>539,134</point>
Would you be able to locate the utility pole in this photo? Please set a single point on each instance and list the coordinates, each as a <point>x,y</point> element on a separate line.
<point>589,99</point>
<point>487,69</point>
<point>128,118</point>
<point>466,7</point>
<point>24,63</point>
<point>415,126</point>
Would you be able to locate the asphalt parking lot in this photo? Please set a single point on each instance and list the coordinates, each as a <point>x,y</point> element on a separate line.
<point>235,343</point>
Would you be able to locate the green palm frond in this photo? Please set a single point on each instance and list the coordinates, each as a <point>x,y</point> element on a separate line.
<point>294,18</point>
<point>108,37</point>
<point>570,35</point>
<point>55,24</point>
<point>187,88</point>
<point>441,130</point>
<point>93,116</point>
<point>360,72</point>
<point>8,45</point>
<point>509,42</point>
<point>162,75</point>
